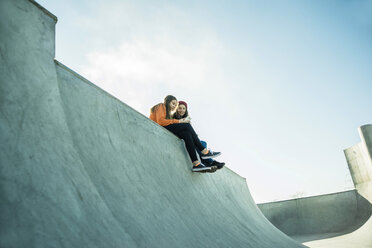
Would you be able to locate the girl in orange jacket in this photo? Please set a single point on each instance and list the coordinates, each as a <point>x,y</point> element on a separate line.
<point>162,114</point>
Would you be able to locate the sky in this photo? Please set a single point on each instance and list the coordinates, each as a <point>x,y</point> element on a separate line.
<point>279,87</point>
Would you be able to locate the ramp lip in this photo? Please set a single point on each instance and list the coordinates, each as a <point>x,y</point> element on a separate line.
<point>365,125</point>
<point>94,85</point>
<point>308,197</point>
<point>121,102</point>
<point>63,66</point>
<point>44,10</point>
<point>109,95</point>
<point>350,147</point>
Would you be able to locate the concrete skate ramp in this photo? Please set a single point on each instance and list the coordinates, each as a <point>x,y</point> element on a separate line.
<point>79,168</point>
<point>321,218</point>
<point>335,220</point>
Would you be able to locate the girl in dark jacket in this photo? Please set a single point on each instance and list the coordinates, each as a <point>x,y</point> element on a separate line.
<point>182,113</point>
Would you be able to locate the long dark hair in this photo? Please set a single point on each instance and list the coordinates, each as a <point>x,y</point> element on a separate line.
<point>167,101</point>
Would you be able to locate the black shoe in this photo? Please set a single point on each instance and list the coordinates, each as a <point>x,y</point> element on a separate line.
<point>213,168</point>
<point>210,154</point>
<point>201,168</point>
<point>219,165</point>
<point>210,165</point>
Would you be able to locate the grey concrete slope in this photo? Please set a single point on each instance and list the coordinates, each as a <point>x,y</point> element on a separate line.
<point>335,220</point>
<point>142,173</point>
<point>46,197</point>
<point>360,164</point>
<point>81,169</point>
<point>319,217</point>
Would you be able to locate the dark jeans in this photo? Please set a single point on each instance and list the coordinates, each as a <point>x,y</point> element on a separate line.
<point>186,132</point>
<point>207,161</point>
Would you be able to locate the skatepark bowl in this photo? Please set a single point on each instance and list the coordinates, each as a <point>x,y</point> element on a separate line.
<point>335,220</point>
<point>80,168</point>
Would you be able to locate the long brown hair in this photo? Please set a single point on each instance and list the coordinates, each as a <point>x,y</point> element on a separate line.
<point>167,101</point>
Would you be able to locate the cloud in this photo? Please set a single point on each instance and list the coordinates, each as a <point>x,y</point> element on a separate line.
<point>136,69</point>
<point>145,63</point>
<point>140,51</point>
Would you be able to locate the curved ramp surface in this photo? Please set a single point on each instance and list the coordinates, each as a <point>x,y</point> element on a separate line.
<point>343,219</point>
<point>323,221</point>
<point>81,169</point>
<point>360,165</point>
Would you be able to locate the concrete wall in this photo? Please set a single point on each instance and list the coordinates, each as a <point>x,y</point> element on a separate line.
<point>335,220</point>
<point>79,168</point>
<point>46,198</point>
<point>365,133</point>
<point>360,163</point>
<point>329,213</point>
<point>359,160</point>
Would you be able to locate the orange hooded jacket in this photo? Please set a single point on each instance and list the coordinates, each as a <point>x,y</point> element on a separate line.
<point>159,115</point>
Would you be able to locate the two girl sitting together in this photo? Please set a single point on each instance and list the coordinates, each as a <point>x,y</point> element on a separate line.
<point>179,124</point>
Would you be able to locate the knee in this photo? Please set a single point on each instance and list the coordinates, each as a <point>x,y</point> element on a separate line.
<point>189,127</point>
<point>185,135</point>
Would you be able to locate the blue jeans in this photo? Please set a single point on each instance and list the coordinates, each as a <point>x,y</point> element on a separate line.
<point>207,161</point>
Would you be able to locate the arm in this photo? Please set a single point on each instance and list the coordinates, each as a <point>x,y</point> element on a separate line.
<point>160,115</point>
<point>185,120</point>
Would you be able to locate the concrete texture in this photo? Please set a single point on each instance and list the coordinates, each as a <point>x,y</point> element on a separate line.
<point>360,163</point>
<point>79,168</point>
<point>323,214</point>
<point>335,220</point>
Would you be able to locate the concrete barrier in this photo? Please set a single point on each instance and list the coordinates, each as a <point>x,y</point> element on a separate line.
<point>79,168</point>
<point>360,163</point>
<point>310,217</point>
<point>341,219</point>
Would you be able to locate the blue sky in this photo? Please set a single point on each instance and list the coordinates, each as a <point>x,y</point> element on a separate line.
<point>280,87</point>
